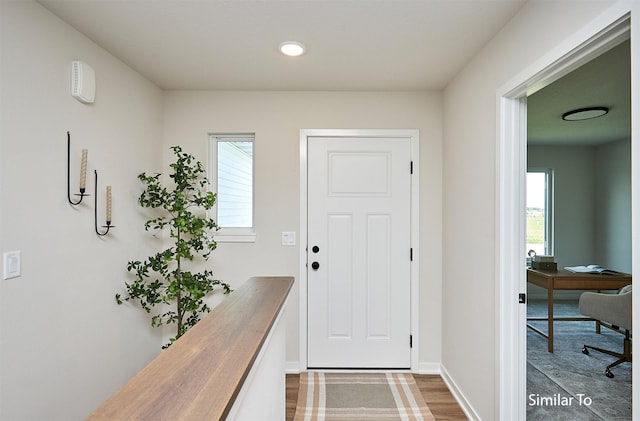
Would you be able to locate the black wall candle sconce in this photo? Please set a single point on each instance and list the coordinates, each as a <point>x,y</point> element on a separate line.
<point>108,210</point>
<point>83,173</point>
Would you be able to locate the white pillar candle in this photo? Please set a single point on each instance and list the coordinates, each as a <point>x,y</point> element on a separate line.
<point>83,170</point>
<point>108,204</point>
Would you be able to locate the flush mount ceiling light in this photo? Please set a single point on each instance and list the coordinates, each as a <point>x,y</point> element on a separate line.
<point>292,48</point>
<point>585,113</point>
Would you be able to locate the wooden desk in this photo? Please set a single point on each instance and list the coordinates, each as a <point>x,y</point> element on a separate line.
<point>564,280</point>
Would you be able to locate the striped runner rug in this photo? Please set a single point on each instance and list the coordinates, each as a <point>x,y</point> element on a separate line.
<point>360,396</point>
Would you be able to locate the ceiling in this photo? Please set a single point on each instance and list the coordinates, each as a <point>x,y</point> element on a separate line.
<point>352,45</point>
<point>604,81</point>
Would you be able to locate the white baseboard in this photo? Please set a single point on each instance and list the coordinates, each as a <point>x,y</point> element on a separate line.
<point>292,367</point>
<point>459,396</point>
<point>429,368</point>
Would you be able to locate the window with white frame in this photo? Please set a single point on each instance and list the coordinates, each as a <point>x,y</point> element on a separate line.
<point>231,173</point>
<point>540,211</point>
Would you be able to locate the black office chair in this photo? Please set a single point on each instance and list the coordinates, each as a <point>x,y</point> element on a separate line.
<point>612,311</point>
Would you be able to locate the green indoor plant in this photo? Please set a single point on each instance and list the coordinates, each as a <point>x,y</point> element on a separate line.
<point>163,279</point>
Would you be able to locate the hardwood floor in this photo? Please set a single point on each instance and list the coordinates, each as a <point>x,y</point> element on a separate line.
<point>441,402</point>
<point>293,383</point>
<point>439,399</point>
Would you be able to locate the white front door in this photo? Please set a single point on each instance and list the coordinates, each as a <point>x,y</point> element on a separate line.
<point>359,252</point>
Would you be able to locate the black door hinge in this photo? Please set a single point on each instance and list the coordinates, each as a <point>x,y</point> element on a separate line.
<point>411,167</point>
<point>410,341</point>
<point>411,254</point>
<point>522,298</point>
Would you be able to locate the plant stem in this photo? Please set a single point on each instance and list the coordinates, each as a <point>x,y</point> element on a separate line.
<point>166,286</point>
<point>179,297</point>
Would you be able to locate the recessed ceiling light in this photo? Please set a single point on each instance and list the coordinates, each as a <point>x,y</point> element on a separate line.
<point>585,113</point>
<point>292,48</point>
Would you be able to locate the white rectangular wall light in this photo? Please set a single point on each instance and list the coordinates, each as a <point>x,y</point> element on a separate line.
<point>83,82</point>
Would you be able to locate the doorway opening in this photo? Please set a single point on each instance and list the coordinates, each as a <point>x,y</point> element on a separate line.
<point>511,221</point>
<point>589,196</point>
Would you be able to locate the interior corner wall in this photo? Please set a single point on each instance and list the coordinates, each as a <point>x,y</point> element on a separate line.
<point>65,345</point>
<point>613,205</point>
<point>470,193</point>
<point>276,118</point>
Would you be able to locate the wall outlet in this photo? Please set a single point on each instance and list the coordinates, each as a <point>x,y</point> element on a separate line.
<point>12,263</point>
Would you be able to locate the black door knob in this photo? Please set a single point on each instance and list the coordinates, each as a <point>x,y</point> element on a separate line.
<point>315,249</point>
<point>315,265</point>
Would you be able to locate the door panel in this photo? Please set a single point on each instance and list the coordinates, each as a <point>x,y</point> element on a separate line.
<point>339,280</point>
<point>379,277</point>
<point>359,213</point>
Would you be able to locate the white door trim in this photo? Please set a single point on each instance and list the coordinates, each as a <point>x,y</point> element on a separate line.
<point>608,30</point>
<point>414,136</point>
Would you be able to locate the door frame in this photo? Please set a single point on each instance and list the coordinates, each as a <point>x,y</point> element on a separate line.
<point>608,30</point>
<point>414,137</point>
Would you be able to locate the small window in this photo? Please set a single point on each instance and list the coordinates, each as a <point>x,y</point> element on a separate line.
<point>231,173</point>
<point>540,211</point>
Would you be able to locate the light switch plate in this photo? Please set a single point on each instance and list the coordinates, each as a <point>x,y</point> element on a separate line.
<point>288,238</point>
<point>11,265</point>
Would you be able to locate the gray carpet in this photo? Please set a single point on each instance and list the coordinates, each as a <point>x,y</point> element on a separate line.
<point>568,385</point>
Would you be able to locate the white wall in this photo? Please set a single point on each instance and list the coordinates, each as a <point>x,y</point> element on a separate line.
<point>65,344</point>
<point>469,344</point>
<point>574,206</point>
<point>592,204</point>
<point>276,118</point>
<point>613,204</point>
